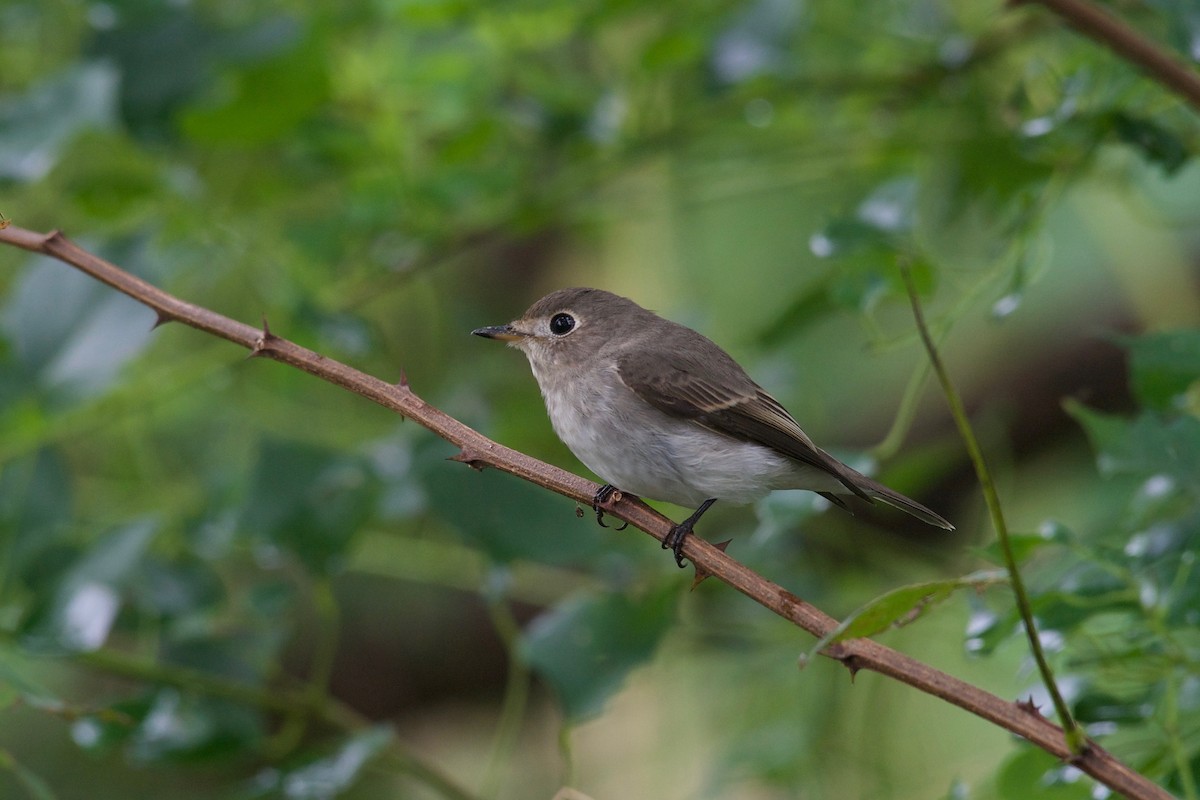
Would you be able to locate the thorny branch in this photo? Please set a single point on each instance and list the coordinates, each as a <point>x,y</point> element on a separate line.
<point>478,451</point>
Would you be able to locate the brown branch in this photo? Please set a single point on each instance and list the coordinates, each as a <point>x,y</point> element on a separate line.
<point>478,451</point>
<point>1110,31</point>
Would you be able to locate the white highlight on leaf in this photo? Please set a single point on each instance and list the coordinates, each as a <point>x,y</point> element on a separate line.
<point>89,615</point>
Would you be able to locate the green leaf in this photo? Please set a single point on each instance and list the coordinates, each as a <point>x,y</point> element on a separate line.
<point>36,503</point>
<point>293,86</point>
<point>110,178</point>
<point>1024,545</point>
<point>16,682</point>
<point>1164,366</point>
<point>900,607</point>
<point>172,589</point>
<point>1145,446</point>
<point>1096,706</point>
<point>71,332</point>
<point>510,519</point>
<point>84,606</point>
<point>1033,774</point>
<point>1157,144</point>
<point>113,726</point>
<point>586,646</point>
<point>309,501</point>
<point>245,654</point>
<point>35,127</point>
<point>328,777</point>
<point>975,198</point>
<point>179,726</point>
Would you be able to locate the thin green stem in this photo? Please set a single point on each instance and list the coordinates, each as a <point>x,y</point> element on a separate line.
<point>1076,741</point>
<point>516,698</point>
<point>34,785</point>
<point>1174,738</point>
<point>324,651</point>
<point>280,700</point>
<point>905,415</point>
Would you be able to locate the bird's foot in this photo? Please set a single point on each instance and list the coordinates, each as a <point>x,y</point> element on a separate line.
<point>603,495</point>
<point>674,542</point>
<point>674,539</point>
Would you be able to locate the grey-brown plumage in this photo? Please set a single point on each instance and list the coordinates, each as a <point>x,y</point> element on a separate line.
<point>659,410</point>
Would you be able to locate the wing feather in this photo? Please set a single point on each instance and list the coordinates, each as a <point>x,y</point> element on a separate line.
<point>682,383</point>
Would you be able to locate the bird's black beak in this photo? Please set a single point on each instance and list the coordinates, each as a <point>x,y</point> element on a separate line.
<point>505,333</point>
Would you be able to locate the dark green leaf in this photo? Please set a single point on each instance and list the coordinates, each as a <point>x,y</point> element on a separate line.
<point>86,600</point>
<point>508,518</point>
<point>246,654</point>
<point>109,178</point>
<point>975,198</point>
<point>72,332</point>
<point>1163,366</point>
<point>1157,144</point>
<point>16,681</point>
<point>309,501</point>
<point>1146,446</point>
<point>103,731</point>
<point>1033,774</point>
<point>293,86</point>
<point>1065,611</point>
<point>172,589</point>
<point>847,236</point>
<point>587,645</point>
<point>166,55</point>
<point>326,778</point>
<point>36,502</point>
<point>1023,546</point>
<point>180,726</point>
<point>1103,707</point>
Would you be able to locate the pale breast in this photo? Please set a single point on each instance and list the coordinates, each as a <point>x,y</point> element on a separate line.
<point>646,452</point>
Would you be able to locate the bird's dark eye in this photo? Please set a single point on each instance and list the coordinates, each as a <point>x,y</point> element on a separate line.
<point>562,324</point>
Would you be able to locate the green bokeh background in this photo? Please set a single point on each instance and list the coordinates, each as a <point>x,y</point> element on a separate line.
<point>377,178</point>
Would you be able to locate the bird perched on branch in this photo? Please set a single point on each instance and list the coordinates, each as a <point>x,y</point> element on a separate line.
<point>660,411</point>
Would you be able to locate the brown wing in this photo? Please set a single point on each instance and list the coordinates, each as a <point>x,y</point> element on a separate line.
<point>703,383</point>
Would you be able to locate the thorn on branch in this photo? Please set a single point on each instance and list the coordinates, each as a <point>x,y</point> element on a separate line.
<point>161,318</point>
<point>403,382</point>
<point>472,460</point>
<point>1029,707</point>
<point>703,574</point>
<point>263,343</point>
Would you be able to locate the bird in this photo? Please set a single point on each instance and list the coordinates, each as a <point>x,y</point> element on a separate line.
<point>662,412</point>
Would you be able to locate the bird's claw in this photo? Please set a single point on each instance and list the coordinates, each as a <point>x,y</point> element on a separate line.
<point>674,539</point>
<point>603,495</point>
<point>674,543</point>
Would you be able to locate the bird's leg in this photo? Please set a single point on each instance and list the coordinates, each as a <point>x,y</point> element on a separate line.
<point>674,540</point>
<point>603,495</point>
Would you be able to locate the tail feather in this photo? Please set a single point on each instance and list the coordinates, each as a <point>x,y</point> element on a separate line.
<point>908,505</point>
<point>877,491</point>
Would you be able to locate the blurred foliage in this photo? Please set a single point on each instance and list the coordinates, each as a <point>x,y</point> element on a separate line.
<point>223,579</point>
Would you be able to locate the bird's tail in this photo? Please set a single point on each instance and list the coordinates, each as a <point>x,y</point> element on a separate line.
<point>878,491</point>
